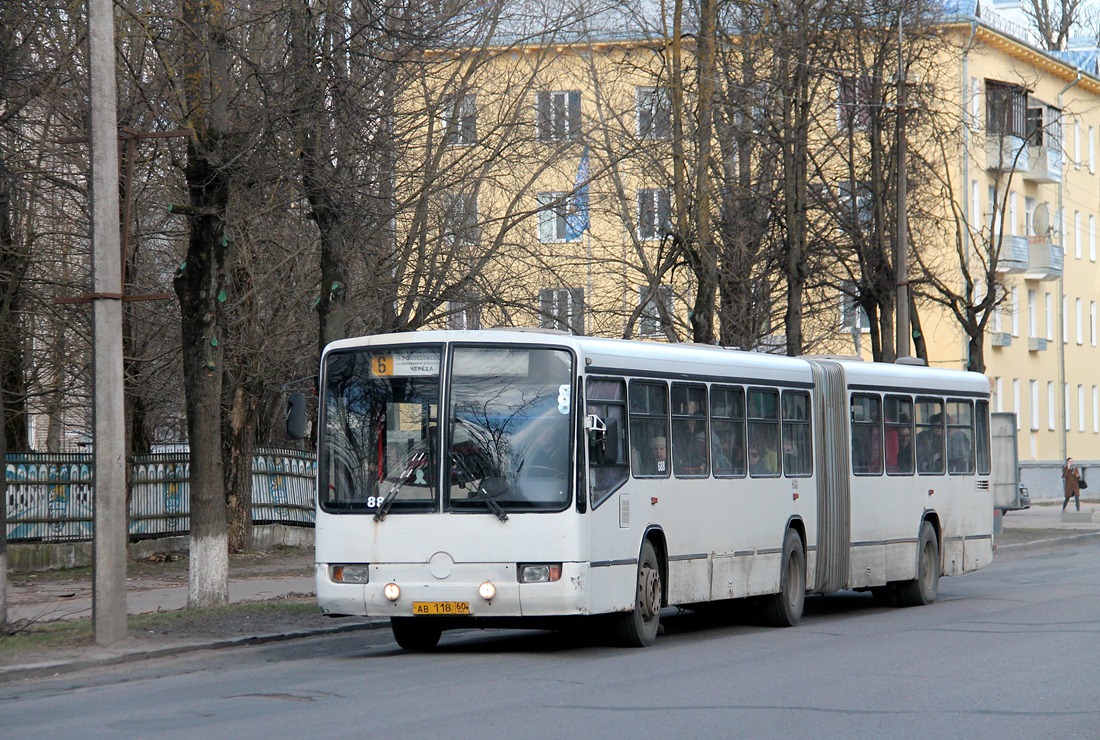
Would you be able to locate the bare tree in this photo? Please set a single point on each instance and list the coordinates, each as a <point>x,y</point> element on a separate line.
<point>1056,21</point>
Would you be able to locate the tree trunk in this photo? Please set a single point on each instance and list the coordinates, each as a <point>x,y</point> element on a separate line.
<point>240,446</point>
<point>198,285</point>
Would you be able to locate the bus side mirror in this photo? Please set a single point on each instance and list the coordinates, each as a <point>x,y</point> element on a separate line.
<point>296,415</point>
<point>603,440</point>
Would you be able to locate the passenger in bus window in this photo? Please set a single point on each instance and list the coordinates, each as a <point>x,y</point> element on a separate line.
<point>959,455</point>
<point>930,447</point>
<point>904,455</point>
<point>658,456</point>
<point>762,460</point>
<point>690,447</point>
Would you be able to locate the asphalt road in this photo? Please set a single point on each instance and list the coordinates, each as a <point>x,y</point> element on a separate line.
<point>1011,651</point>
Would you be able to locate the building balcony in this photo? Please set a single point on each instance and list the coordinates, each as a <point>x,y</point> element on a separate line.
<point>1014,255</point>
<point>1007,153</point>
<point>1044,164</point>
<point>1036,344</point>
<point>1045,260</point>
<point>1000,339</point>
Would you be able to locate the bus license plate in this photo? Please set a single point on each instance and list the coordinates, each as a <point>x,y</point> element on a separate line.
<point>441,607</point>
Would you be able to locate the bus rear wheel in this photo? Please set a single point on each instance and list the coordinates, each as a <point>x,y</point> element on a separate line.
<point>784,609</point>
<point>638,627</point>
<point>415,633</point>
<point>925,587</point>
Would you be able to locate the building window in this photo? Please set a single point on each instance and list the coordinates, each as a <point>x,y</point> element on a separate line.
<point>653,108</point>
<point>1092,323</point>
<point>1077,234</point>
<point>853,96</point>
<point>1066,403</point>
<point>459,220</point>
<point>1080,408</point>
<point>1095,410</point>
<point>998,394</point>
<point>1032,314</point>
<point>1015,307</point>
<point>976,204</point>
<point>1076,145</point>
<point>1052,406</point>
<point>850,312</point>
<point>460,120</point>
<point>1016,401</point>
<point>1005,108</point>
<point>1092,149</point>
<point>562,308</point>
<point>653,213</point>
<point>1080,322</point>
<point>1050,316</point>
<point>553,212</point>
<point>650,322</point>
<point>1033,387</point>
<point>1012,212</point>
<point>1092,238</point>
<point>975,103</point>
<point>559,115</point>
<point>1065,320</point>
<point>464,314</point>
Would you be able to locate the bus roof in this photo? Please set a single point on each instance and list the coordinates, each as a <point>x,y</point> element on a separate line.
<point>686,360</point>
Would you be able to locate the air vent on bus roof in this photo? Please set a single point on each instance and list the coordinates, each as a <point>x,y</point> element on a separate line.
<point>915,361</point>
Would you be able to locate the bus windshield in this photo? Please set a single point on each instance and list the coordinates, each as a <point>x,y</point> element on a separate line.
<point>509,421</point>
<point>506,431</point>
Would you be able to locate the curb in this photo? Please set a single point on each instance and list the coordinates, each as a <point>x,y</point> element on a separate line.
<point>58,667</point>
<point>1044,543</point>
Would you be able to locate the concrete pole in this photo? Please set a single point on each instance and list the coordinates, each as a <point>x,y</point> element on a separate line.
<point>109,587</point>
<point>901,256</point>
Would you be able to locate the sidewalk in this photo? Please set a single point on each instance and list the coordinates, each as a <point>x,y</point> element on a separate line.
<point>288,578</point>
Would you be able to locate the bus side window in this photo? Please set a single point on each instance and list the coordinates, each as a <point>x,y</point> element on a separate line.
<point>689,430</point>
<point>798,447</point>
<point>899,435</point>
<point>607,462</point>
<point>866,412</point>
<point>929,418</point>
<point>960,437</point>
<point>727,428</point>
<point>649,429</point>
<point>981,437</point>
<point>763,418</point>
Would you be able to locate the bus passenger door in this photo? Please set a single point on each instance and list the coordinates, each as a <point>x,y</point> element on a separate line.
<point>613,546</point>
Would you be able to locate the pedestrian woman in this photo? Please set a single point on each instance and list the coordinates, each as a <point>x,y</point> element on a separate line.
<point>1071,484</point>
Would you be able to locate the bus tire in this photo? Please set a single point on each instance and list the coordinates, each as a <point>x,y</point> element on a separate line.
<point>638,627</point>
<point>414,633</point>
<point>925,587</point>
<point>784,609</point>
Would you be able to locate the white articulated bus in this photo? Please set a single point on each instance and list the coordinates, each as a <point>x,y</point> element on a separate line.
<point>511,478</point>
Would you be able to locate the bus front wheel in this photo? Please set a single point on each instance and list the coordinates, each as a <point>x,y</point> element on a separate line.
<point>784,609</point>
<point>638,627</point>
<point>925,587</point>
<point>415,633</point>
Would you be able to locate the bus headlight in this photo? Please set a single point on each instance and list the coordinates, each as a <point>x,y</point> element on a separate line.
<point>539,572</point>
<point>350,573</point>
<point>487,590</point>
<point>391,591</point>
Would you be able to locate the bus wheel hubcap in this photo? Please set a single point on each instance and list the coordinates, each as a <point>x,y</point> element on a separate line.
<point>650,585</point>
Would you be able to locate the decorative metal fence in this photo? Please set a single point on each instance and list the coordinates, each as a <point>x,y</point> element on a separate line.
<point>50,496</point>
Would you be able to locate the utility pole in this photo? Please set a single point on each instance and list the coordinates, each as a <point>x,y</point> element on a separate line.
<point>109,433</point>
<point>901,246</point>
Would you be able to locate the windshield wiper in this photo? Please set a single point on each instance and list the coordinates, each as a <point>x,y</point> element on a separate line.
<point>479,489</point>
<point>384,507</point>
